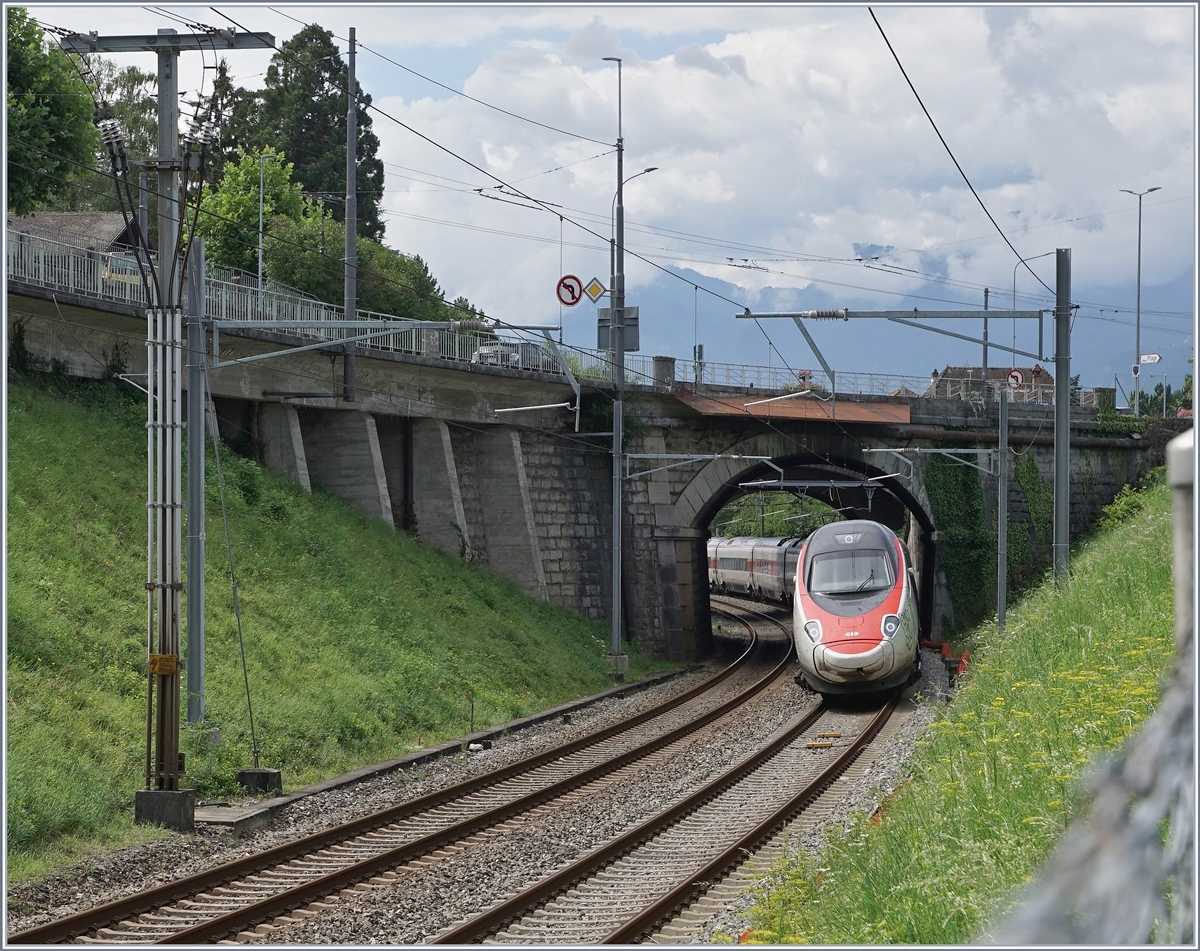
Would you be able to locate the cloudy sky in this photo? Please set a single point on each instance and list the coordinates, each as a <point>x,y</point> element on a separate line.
<point>795,167</point>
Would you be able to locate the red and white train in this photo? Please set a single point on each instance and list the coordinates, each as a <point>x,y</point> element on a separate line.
<point>853,595</point>
<point>855,610</point>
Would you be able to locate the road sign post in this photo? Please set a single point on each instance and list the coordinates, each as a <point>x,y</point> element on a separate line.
<point>569,290</point>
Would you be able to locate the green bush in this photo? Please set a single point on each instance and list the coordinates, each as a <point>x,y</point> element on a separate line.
<point>968,545</point>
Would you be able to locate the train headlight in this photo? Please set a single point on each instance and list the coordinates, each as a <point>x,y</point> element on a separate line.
<point>891,624</point>
<point>813,630</point>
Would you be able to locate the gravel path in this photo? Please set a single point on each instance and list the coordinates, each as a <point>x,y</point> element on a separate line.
<point>430,897</point>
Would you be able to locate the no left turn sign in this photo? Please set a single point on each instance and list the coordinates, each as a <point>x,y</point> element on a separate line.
<point>569,290</point>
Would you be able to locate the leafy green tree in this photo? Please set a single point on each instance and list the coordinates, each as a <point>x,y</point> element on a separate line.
<point>307,253</point>
<point>771,515</point>
<point>127,94</point>
<point>229,215</point>
<point>236,112</point>
<point>398,284</point>
<point>50,114</point>
<point>465,309</point>
<point>303,114</point>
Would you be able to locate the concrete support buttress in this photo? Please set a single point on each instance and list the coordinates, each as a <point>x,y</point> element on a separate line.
<point>437,496</point>
<point>342,452</point>
<point>530,524</point>
<point>508,520</point>
<point>282,442</point>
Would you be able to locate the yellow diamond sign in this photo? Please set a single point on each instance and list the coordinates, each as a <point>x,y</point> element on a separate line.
<point>595,290</point>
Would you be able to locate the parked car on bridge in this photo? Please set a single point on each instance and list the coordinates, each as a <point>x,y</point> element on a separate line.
<point>519,355</point>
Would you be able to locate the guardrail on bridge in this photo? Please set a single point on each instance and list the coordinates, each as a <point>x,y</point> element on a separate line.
<point>231,295</point>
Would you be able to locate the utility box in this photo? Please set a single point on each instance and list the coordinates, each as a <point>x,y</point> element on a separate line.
<point>604,327</point>
<point>170,808</point>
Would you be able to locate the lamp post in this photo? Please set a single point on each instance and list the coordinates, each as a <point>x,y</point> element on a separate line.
<point>1013,356</point>
<point>1137,323</point>
<point>261,157</point>
<point>612,260</point>
<point>617,340</point>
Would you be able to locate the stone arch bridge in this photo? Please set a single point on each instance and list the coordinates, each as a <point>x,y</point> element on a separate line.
<point>526,497</point>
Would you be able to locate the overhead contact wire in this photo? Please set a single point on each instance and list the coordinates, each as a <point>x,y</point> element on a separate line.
<point>942,139</point>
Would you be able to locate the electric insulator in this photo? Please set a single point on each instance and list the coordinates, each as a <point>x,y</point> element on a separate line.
<point>825,315</point>
<point>468,325</point>
<point>110,131</point>
<point>202,133</point>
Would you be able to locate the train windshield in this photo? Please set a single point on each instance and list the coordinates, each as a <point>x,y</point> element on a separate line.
<point>850,572</point>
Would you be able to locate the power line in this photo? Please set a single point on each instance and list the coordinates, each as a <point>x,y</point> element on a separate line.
<point>457,92</point>
<point>646,258</point>
<point>951,154</point>
<point>495,178</point>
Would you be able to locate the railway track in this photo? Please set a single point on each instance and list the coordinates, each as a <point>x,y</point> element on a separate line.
<point>622,893</point>
<point>291,879</point>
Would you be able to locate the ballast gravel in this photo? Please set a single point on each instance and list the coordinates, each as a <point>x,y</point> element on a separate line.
<point>435,894</point>
<point>882,778</point>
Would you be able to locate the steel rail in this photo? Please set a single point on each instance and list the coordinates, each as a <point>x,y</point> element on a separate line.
<point>700,882</point>
<point>495,918</point>
<point>284,901</point>
<point>80,923</point>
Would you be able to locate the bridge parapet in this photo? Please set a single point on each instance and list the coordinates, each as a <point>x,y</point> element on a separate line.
<point>112,277</point>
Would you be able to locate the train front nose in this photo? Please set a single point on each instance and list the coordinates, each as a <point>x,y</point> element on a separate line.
<point>850,655</point>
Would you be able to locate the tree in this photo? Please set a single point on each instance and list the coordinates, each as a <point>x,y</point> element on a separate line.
<point>307,253</point>
<point>398,284</point>
<point>128,95</point>
<point>229,215</point>
<point>303,114</point>
<point>236,113</point>
<point>50,113</point>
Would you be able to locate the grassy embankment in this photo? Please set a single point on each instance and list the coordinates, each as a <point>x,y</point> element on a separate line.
<point>361,644</point>
<point>997,778</point>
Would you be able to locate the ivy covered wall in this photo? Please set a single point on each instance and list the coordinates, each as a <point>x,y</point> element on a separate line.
<point>966,540</point>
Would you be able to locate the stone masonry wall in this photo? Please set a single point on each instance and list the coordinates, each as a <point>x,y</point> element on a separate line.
<point>570,488</point>
<point>463,441</point>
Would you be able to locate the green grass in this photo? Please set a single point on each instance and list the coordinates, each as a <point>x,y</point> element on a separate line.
<point>997,778</point>
<point>361,644</point>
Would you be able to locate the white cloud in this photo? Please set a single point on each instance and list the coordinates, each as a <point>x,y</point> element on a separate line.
<point>784,133</point>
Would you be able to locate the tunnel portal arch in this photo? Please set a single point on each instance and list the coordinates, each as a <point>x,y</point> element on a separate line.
<point>719,481</point>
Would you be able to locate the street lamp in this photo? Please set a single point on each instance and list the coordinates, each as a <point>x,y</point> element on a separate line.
<point>612,242</point>
<point>1013,356</point>
<point>1137,332</point>
<point>617,341</point>
<point>261,157</point>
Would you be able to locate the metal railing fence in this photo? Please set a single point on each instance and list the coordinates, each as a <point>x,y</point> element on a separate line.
<point>235,295</point>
